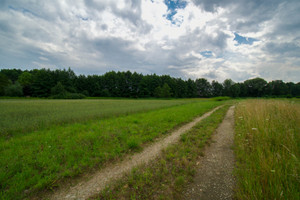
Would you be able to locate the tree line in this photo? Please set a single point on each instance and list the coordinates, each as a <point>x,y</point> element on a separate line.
<point>66,84</point>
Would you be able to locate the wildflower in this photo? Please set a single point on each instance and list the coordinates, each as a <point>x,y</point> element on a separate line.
<point>254,129</point>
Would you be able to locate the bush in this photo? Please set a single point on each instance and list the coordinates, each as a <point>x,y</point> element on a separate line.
<point>221,98</point>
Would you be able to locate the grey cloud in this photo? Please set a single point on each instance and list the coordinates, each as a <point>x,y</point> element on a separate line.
<point>245,16</point>
<point>211,75</point>
<point>283,49</point>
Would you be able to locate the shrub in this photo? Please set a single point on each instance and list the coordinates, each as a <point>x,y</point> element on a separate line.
<point>68,96</point>
<point>221,98</point>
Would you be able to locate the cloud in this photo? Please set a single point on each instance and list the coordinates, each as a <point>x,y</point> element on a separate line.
<point>189,39</point>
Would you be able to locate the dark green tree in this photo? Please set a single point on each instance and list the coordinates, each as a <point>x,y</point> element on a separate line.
<point>59,89</point>
<point>203,87</point>
<point>43,81</point>
<point>278,88</point>
<point>12,74</point>
<point>26,80</point>
<point>235,90</point>
<point>4,82</point>
<point>166,91</point>
<point>256,87</point>
<point>14,90</point>
<point>216,88</point>
<point>191,89</point>
<point>158,92</point>
<point>226,87</point>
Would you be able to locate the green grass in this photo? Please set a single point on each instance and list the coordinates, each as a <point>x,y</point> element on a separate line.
<point>267,149</point>
<point>167,177</point>
<point>41,159</point>
<point>20,115</point>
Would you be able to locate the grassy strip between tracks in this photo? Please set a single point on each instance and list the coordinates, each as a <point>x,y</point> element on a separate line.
<point>267,149</point>
<point>38,160</point>
<point>167,177</point>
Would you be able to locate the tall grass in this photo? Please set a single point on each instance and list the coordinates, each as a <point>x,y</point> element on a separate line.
<point>267,149</point>
<point>40,159</point>
<point>19,116</point>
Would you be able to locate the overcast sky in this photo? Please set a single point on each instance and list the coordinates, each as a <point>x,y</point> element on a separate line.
<point>213,39</point>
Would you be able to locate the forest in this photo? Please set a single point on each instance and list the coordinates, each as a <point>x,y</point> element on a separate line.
<point>65,84</point>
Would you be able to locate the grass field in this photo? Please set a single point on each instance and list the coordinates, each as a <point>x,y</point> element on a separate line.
<point>41,159</point>
<point>267,149</point>
<point>21,116</point>
<point>167,177</point>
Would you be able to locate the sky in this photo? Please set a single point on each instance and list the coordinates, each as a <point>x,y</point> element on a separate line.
<point>212,39</point>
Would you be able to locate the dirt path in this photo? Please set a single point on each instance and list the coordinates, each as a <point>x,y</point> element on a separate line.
<point>97,182</point>
<point>214,178</point>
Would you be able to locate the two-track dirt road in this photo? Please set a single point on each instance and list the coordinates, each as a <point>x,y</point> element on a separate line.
<point>96,182</point>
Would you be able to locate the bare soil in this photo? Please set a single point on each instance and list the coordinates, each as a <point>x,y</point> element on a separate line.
<point>214,179</point>
<point>94,183</point>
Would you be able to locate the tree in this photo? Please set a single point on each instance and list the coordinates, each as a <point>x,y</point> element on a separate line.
<point>255,87</point>
<point>157,92</point>
<point>12,74</point>
<point>226,87</point>
<point>235,90</point>
<point>58,89</point>
<point>166,91</point>
<point>43,81</point>
<point>25,79</point>
<point>216,88</point>
<point>203,87</point>
<point>278,88</point>
<point>4,82</point>
<point>191,88</point>
<point>14,90</point>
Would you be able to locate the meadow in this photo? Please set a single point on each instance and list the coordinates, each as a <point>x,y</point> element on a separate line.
<point>267,149</point>
<point>22,116</point>
<point>89,135</point>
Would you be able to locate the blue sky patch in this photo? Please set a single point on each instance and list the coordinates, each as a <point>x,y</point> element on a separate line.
<point>173,6</point>
<point>206,54</point>
<point>23,10</point>
<point>243,40</point>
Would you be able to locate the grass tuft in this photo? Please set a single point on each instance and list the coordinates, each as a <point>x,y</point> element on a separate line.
<point>133,144</point>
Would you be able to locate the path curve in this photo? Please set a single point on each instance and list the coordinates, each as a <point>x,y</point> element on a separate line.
<point>85,189</point>
<point>214,178</point>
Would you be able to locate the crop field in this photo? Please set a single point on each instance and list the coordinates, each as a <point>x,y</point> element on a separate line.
<point>267,144</point>
<point>79,135</point>
<point>22,116</point>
